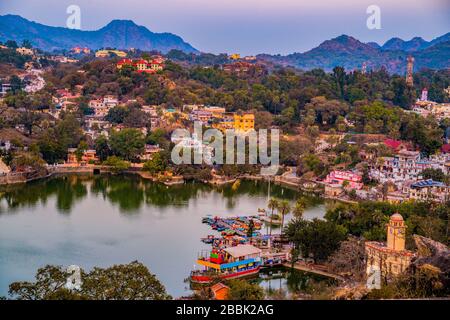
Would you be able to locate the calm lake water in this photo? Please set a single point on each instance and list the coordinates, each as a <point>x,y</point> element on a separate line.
<point>105,220</point>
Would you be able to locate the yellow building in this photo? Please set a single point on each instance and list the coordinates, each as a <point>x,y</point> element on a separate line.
<point>391,258</point>
<point>244,122</point>
<point>235,56</point>
<point>226,122</point>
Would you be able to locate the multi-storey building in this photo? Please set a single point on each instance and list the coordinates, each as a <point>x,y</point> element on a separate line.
<point>387,260</point>
<point>201,116</point>
<point>405,165</point>
<point>429,190</point>
<point>244,122</point>
<point>88,157</point>
<point>152,65</point>
<point>351,179</point>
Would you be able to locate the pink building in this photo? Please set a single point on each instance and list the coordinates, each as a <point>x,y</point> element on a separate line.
<point>338,177</point>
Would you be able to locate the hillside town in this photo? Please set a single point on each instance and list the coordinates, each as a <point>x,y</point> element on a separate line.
<point>376,144</point>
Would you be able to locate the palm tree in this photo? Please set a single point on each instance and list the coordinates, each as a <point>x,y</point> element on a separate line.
<point>273,204</point>
<point>299,208</point>
<point>284,207</point>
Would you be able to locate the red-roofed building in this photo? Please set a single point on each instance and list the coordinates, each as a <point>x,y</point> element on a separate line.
<point>142,65</point>
<point>124,62</point>
<point>397,145</point>
<point>393,144</point>
<point>445,148</point>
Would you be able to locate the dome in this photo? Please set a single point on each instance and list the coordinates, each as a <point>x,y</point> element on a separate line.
<point>396,217</point>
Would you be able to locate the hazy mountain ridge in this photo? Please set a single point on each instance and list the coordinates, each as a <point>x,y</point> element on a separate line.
<point>343,51</point>
<point>351,53</point>
<point>415,44</point>
<point>121,34</point>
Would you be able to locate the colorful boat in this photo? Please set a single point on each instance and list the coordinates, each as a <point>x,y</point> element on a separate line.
<point>228,263</point>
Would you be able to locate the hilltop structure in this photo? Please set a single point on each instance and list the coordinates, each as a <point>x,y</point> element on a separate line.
<point>391,258</point>
<point>152,65</point>
<point>409,71</point>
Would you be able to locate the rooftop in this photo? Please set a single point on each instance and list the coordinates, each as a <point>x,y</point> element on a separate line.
<point>242,250</point>
<point>428,183</point>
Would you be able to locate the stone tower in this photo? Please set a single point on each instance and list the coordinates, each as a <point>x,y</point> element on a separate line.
<point>409,71</point>
<point>364,68</point>
<point>396,231</point>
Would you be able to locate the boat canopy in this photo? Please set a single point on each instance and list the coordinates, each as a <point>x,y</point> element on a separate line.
<point>243,250</point>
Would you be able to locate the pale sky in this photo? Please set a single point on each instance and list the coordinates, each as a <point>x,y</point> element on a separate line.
<point>251,26</point>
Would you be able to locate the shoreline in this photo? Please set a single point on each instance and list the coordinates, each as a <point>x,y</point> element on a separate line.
<point>92,170</point>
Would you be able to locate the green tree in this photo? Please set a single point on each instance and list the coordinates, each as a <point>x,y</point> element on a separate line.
<point>316,238</point>
<point>117,165</point>
<point>283,207</point>
<point>102,148</point>
<point>131,281</point>
<point>27,44</point>
<point>82,147</point>
<point>244,290</point>
<point>117,114</point>
<point>11,44</point>
<point>299,208</point>
<point>435,174</point>
<point>156,164</point>
<point>273,204</point>
<point>127,143</point>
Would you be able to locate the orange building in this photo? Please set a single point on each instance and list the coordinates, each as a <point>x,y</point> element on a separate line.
<point>88,156</point>
<point>244,122</point>
<point>220,291</point>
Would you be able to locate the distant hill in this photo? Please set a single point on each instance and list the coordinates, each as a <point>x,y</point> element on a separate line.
<point>415,44</point>
<point>351,53</point>
<point>120,34</point>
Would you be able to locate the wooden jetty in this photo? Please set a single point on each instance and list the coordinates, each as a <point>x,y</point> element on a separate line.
<point>310,268</point>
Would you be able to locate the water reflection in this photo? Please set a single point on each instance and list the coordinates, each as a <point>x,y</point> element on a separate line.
<point>129,193</point>
<point>104,220</point>
<point>286,283</point>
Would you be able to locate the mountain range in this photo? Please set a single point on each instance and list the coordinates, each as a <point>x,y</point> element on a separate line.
<point>343,51</point>
<point>351,53</point>
<point>120,34</point>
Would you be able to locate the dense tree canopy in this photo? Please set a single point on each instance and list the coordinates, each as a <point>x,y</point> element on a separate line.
<point>131,281</point>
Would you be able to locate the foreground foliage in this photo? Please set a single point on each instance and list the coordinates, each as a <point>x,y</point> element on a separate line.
<point>131,281</point>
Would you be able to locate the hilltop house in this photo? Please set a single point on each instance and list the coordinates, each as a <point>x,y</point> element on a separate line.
<point>79,50</point>
<point>102,106</point>
<point>25,51</point>
<point>107,53</point>
<point>152,65</point>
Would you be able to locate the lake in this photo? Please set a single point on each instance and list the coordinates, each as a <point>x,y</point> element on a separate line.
<point>104,220</point>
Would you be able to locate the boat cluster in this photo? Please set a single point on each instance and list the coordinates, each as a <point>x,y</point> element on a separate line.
<point>239,251</point>
<point>231,226</point>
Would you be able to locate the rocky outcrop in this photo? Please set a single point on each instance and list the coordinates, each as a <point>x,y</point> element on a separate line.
<point>432,253</point>
<point>357,292</point>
